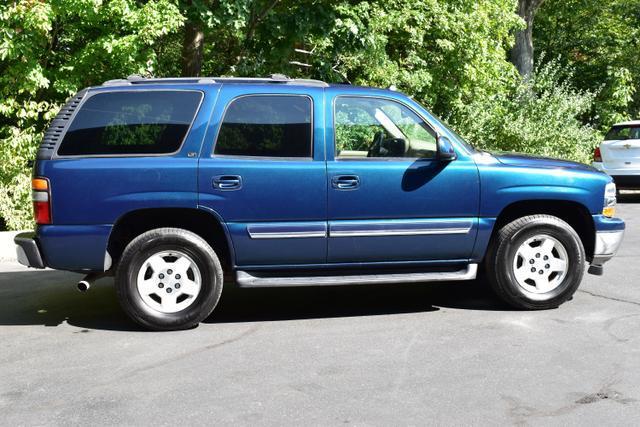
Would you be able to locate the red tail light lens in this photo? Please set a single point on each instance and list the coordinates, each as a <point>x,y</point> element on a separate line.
<point>41,195</point>
<point>42,212</point>
<point>597,156</point>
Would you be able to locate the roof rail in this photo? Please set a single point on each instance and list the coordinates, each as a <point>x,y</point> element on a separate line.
<point>274,78</point>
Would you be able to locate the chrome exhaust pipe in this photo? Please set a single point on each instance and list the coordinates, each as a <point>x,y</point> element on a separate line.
<point>85,284</point>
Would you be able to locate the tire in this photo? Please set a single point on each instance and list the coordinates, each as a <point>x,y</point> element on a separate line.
<point>159,298</point>
<point>520,247</point>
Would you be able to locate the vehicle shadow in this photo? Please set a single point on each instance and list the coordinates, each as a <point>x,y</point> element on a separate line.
<point>49,298</point>
<point>251,305</point>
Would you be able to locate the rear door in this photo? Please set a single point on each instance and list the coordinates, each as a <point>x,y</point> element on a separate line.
<point>262,171</point>
<point>390,199</point>
<point>621,148</point>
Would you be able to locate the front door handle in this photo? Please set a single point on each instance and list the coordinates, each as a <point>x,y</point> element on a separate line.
<point>227,182</point>
<point>345,182</point>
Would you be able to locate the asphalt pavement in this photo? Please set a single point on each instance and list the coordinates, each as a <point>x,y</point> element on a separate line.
<point>429,354</point>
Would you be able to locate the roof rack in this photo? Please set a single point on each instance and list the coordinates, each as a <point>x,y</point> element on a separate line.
<point>273,79</point>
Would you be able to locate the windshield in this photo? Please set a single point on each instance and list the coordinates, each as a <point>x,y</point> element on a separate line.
<point>621,133</point>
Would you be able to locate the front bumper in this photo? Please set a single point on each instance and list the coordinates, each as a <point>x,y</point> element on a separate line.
<point>607,243</point>
<point>28,251</point>
<point>609,235</point>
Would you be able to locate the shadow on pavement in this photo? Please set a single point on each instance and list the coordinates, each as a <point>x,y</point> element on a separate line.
<point>50,298</point>
<point>251,305</point>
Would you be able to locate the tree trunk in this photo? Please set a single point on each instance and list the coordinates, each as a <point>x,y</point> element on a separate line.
<point>522,51</point>
<point>192,49</point>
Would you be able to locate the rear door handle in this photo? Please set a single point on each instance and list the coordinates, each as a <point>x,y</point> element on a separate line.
<point>345,182</point>
<point>227,182</point>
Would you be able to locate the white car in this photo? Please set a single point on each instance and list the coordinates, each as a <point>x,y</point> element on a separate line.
<point>619,154</point>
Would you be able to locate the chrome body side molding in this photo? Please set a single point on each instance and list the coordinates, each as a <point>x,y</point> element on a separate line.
<point>371,228</point>
<point>399,227</point>
<point>287,231</point>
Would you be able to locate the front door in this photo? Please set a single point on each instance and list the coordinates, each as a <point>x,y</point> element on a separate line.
<point>262,171</point>
<point>389,198</point>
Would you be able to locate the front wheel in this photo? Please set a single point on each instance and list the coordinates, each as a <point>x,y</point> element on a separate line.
<point>535,262</point>
<point>168,279</point>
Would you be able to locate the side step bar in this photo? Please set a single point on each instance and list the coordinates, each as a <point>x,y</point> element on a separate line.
<point>254,280</point>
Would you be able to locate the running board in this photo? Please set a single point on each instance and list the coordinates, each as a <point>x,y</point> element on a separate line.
<point>254,280</point>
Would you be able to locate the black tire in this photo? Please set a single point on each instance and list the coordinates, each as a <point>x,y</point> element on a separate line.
<point>499,262</point>
<point>156,241</point>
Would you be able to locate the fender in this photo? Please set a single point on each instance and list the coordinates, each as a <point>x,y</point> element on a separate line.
<point>227,234</point>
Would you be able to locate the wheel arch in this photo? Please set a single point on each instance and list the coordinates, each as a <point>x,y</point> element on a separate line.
<point>574,213</point>
<point>203,222</point>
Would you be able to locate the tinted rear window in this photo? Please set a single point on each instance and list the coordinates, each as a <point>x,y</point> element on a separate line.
<point>623,133</point>
<point>269,126</point>
<point>142,122</point>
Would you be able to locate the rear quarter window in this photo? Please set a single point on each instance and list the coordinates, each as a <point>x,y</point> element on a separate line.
<point>137,122</point>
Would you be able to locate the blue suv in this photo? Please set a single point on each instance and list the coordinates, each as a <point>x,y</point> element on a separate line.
<point>173,184</point>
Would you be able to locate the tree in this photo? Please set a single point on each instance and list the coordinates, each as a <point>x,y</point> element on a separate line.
<point>48,51</point>
<point>522,51</point>
<point>192,45</point>
<point>600,40</point>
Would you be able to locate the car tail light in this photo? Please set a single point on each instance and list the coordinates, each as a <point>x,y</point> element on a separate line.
<point>597,156</point>
<point>41,195</point>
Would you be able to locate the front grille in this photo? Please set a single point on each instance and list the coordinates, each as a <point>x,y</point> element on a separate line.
<point>58,127</point>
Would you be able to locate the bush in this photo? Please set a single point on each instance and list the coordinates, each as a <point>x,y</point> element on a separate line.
<point>541,116</point>
<point>17,150</point>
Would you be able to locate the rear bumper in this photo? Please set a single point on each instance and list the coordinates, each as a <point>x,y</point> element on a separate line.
<point>81,248</point>
<point>626,181</point>
<point>623,177</point>
<point>28,251</point>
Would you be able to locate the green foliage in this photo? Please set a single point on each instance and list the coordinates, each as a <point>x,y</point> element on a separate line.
<point>541,116</point>
<point>599,40</point>
<point>48,51</point>
<point>444,53</point>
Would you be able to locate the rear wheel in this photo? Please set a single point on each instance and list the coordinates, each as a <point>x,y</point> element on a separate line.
<point>168,279</point>
<point>535,262</point>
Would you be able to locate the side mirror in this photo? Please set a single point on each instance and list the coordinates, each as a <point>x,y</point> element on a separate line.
<point>446,152</point>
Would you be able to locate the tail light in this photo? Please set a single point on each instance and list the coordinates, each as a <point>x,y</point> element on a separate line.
<point>41,195</point>
<point>597,156</point>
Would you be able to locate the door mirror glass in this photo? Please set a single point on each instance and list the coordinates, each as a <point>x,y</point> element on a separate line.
<point>446,152</point>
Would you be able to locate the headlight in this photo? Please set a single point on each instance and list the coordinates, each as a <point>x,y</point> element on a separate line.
<point>610,201</point>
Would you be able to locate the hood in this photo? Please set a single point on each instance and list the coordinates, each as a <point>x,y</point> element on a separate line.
<point>540,162</point>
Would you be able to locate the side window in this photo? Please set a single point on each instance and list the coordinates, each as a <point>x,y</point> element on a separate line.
<point>138,122</point>
<point>376,127</point>
<point>267,126</point>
